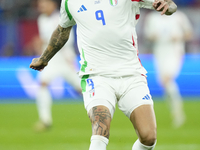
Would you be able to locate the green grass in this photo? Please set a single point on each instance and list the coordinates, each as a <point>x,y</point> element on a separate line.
<point>72,129</point>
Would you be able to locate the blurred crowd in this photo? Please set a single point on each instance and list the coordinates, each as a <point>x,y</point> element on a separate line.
<point>19,31</point>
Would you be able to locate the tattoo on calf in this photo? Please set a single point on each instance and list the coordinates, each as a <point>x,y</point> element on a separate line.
<point>100,119</point>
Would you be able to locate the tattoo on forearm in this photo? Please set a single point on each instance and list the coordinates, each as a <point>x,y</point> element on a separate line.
<point>100,120</point>
<point>58,39</point>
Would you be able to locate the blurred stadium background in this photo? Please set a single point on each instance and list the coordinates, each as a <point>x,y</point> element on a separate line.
<point>71,130</point>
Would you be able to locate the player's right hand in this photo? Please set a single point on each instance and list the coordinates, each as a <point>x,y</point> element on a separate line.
<point>38,64</point>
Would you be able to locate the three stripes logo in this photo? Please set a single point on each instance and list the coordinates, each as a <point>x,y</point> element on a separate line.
<point>147,97</point>
<point>82,8</point>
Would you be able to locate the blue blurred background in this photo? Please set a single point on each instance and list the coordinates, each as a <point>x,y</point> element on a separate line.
<point>18,32</point>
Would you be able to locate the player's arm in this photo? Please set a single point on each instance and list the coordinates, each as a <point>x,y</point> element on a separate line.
<point>58,39</point>
<point>186,27</point>
<point>167,7</point>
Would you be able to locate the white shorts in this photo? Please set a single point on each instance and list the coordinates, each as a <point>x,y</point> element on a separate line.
<point>128,92</point>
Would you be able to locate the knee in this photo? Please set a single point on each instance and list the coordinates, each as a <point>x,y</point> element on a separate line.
<point>149,137</point>
<point>166,80</point>
<point>43,84</point>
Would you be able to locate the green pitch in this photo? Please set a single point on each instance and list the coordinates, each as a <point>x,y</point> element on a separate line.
<point>72,129</point>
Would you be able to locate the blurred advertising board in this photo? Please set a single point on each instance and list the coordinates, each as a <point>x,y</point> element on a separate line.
<point>18,81</point>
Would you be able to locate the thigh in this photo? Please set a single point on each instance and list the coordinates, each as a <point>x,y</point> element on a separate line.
<point>98,91</point>
<point>168,68</point>
<point>136,94</point>
<point>144,121</point>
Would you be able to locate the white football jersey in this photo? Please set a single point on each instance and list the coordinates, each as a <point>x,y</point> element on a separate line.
<point>168,31</point>
<point>106,34</point>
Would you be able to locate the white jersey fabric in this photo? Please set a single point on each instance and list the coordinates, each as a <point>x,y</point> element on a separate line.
<point>106,34</point>
<point>168,33</point>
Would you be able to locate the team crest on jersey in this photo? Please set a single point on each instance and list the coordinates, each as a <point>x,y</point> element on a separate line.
<point>113,2</point>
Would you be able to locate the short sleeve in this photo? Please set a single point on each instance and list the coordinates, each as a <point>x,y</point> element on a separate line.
<point>66,19</point>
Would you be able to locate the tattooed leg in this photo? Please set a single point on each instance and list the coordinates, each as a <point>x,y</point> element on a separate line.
<point>100,118</point>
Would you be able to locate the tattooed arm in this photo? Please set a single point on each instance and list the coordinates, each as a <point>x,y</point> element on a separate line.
<point>167,7</point>
<point>58,39</point>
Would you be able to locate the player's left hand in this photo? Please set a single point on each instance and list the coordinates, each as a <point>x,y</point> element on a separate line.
<point>167,7</point>
<point>38,64</point>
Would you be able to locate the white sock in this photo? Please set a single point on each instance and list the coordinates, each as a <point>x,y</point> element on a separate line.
<point>172,90</point>
<point>98,142</point>
<point>176,103</point>
<point>139,146</point>
<point>44,102</point>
